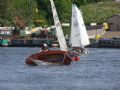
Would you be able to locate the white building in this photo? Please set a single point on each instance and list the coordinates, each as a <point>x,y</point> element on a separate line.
<point>6,30</point>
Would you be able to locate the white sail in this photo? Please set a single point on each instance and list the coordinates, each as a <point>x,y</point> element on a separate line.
<point>60,35</point>
<point>79,36</point>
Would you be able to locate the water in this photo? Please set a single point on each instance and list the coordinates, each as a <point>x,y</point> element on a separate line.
<point>99,70</point>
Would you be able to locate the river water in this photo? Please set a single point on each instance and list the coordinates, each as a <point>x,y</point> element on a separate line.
<point>98,70</point>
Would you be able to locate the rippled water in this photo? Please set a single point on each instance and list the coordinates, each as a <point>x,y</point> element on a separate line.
<point>99,70</point>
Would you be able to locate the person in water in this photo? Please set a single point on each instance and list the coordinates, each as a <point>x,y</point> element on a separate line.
<point>45,47</point>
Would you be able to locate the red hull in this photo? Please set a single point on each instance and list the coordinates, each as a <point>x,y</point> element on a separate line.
<point>52,56</point>
<point>76,58</point>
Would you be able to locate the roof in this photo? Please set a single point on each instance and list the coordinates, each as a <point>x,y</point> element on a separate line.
<point>115,15</point>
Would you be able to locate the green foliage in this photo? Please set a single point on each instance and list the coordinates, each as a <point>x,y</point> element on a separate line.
<point>45,10</point>
<point>64,10</point>
<point>26,9</point>
<point>99,12</point>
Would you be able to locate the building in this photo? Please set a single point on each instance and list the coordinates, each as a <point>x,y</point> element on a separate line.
<point>6,31</point>
<point>117,0</point>
<point>114,22</point>
<point>113,27</point>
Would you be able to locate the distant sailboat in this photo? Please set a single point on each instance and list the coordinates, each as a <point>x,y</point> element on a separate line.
<point>79,37</point>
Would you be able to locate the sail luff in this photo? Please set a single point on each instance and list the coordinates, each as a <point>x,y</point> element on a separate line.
<point>59,31</point>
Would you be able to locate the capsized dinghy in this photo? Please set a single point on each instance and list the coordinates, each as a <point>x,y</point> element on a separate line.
<point>55,57</point>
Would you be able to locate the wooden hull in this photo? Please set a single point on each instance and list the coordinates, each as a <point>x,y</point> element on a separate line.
<point>56,57</point>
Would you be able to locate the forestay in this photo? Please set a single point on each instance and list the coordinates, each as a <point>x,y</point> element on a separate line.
<point>60,35</point>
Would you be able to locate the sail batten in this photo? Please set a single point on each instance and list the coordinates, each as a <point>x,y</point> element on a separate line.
<point>59,31</point>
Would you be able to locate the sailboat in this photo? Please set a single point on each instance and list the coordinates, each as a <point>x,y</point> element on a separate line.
<point>79,37</point>
<point>61,56</point>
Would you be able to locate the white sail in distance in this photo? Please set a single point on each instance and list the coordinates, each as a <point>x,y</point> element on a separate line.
<point>79,36</point>
<point>59,31</point>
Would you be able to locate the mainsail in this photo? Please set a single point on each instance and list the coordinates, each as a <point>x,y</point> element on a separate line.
<point>79,36</point>
<point>60,35</point>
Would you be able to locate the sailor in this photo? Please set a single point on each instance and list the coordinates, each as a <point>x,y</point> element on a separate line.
<point>45,47</point>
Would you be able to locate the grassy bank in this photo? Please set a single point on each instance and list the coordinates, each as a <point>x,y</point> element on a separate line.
<point>100,12</point>
<point>31,11</point>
